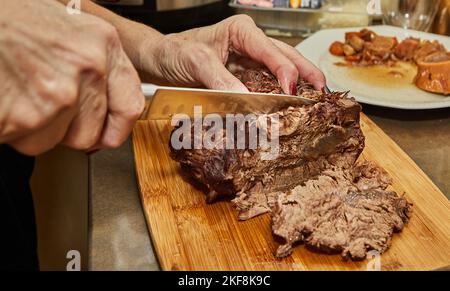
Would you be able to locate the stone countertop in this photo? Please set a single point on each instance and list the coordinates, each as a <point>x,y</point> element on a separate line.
<point>118,235</point>
<point>119,239</point>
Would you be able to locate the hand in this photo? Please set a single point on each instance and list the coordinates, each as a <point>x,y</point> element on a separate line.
<point>65,79</point>
<point>198,57</point>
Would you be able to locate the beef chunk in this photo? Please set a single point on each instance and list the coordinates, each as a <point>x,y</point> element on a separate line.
<point>311,138</point>
<point>342,211</point>
<point>407,49</point>
<point>315,189</point>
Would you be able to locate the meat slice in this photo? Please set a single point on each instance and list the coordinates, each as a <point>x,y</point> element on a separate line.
<point>342,211</point>
<point>406,50</point>
<point>427,48</point>
<point>379,49</point>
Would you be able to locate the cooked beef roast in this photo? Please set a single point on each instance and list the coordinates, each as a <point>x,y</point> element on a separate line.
<point>347,211</point>
<point>311,138</point>
<point>315,190</point>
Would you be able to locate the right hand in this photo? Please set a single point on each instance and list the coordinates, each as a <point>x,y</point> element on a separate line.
<point>64,79</point>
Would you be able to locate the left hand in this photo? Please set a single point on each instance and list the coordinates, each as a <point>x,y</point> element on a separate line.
<point>198,57</point>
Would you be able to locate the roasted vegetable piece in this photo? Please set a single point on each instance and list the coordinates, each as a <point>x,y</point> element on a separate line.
<point>349,35</point>
<point>353,58</point>
<point>357,43</point>
<point>348,50</point>
<point>337,49</point>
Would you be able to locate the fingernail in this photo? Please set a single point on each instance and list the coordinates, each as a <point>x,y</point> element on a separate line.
<point>293,88</point>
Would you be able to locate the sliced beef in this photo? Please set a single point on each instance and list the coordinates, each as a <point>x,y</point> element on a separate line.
<point>314,188</point>
<point>342,211</point>
<point>311,138</point>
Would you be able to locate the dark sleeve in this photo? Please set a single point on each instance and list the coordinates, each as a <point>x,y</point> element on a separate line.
<point>18,242</point>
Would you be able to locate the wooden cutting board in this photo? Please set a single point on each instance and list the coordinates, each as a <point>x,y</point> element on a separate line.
<point>189,234</point>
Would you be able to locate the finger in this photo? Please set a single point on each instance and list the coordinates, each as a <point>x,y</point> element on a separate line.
<point>46,138</point>
<point>87,126</point>
<point>125,99</point>
<point>237,63</point>
<point>249,40</point>
<point>34,106</point>
<point>306,69</point>
<point>214,75</point>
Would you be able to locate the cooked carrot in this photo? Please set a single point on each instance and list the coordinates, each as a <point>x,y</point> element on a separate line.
<point>336,48</point>
<point>353,58</point>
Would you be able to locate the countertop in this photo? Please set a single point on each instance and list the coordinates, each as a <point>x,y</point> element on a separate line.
<point>118,235</point>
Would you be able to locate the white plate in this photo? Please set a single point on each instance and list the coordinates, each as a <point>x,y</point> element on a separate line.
<point>368,86</point>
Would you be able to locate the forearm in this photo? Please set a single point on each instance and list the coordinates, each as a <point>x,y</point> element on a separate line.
<point>136,38</point>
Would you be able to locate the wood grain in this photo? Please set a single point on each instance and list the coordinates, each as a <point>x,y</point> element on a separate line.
<point>189,234</point>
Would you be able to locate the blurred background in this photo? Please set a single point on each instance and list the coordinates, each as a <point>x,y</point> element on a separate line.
<point>288,17</point>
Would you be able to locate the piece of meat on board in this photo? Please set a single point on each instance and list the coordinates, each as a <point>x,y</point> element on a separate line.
<point>347,212</point>
<point>316,191</point>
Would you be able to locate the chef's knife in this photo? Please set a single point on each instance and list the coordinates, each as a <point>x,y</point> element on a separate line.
<point>167,101</point>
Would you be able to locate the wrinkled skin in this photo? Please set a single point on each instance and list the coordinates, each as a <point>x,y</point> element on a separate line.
<point>62,80</point>
<point>197,57</point>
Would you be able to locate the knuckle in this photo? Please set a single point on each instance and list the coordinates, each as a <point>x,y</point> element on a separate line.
<point>108,31</point>
<point>81,144</point>
<point>83,140</point>
<point>61,93</point>
<point>243,18</point>
<point>30,122</point>
<point>113,143</point>
<point>67,96</point>
<point>135,112</point>
<point>290,69</point>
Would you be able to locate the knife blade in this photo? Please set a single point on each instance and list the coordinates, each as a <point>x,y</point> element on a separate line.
<point>168,101</point>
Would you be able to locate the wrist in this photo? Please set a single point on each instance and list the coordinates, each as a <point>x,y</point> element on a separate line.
<point>139,42</point>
